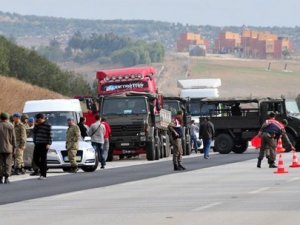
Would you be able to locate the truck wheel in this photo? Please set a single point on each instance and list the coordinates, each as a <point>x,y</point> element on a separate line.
<point>158,152</point>
<point>150,150</point>
<point>188,145</point>
<point>183,146</point>
<point>167,147</point>
<point>240,147</point>
<point>223,144</point>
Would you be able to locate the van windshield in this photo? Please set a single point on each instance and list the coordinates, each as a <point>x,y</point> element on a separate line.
<point>57,118</point>
<point>124,106</point>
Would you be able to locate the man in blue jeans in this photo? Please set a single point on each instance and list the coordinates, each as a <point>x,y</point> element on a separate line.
<point>207,132</point>
<point>96,132</point>
<point>194,131</point>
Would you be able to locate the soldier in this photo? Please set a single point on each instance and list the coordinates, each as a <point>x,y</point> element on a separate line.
<point>270,131</point>
<point>7,146</point>
<point>24,120</point>
<point>72,143</point>
<point>176,139</point>
<point>21,137</point>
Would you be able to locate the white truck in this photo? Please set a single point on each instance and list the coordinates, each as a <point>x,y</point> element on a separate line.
<point>196,89</point>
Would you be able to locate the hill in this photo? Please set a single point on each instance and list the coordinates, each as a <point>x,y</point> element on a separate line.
<point>14,93</point>
<point>37,30</point>
<point>240,77</point>
<point>27,65</point>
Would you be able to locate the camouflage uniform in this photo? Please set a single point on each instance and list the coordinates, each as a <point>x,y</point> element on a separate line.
<point>72,144</point>
<point>21,136</point>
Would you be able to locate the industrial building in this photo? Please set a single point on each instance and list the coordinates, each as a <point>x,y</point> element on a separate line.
<point>253,44</point>
<point>186,40</point>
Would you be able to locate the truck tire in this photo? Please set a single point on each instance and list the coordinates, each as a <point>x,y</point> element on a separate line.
<point>188,145</point>
<point>183,146</point>
<point>167,147</point>
<point>158,151</point>
<point>150,150</point>
<point>240,147</point>
<point>224,144</point>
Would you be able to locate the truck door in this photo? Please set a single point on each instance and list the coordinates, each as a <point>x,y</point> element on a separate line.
<point>277,107</point>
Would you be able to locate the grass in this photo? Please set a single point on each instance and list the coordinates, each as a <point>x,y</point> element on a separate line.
<point>249,77</point>
<point>15,93</point>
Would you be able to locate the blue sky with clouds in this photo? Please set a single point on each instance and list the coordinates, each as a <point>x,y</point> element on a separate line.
<point>198,12</point>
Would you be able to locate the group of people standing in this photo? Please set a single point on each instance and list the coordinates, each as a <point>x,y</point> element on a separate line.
<point>14,131</point>
<point>206,132</point>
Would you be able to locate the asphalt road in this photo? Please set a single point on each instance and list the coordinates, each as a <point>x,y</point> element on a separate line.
<point>31,189</point>
<point>232,193</point>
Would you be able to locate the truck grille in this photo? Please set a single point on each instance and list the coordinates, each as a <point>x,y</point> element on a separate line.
<point>126,130</point>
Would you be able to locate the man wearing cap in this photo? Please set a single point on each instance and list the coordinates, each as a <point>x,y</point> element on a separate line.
<point>7,146</point>
<point>72,143</point>
<point>24,120</point>
<point>21,137</point>
<point>270,132</point>
<point>42,139</point>
<point>176,140</point>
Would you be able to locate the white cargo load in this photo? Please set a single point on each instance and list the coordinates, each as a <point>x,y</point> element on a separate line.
<point>199,83</point>
<point>199,93</point>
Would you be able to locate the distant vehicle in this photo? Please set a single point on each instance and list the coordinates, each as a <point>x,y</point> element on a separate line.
<point>57,111</point>
<point>129,100</point>
<point>233,132</point>
<point>57,156</point>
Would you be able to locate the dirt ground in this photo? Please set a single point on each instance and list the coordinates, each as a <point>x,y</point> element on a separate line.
<point>15,93</point>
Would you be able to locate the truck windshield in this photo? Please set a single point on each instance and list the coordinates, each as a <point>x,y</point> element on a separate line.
<point>56,118</point>
<point>172,106</point>
<point>292,107</point>
<point>198,109</point>
<point>126,106</point>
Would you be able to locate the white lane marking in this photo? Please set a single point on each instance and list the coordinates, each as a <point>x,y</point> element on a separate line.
<point>293,179</point>
<point>206,206</point>
<point>259,190</point>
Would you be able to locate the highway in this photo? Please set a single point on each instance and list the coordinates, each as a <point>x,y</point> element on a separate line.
<point>227,189</point>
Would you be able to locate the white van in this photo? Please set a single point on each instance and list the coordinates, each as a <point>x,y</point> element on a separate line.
<point>57,111</point>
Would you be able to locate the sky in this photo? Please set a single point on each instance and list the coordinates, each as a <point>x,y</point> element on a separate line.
<point>196,12</point>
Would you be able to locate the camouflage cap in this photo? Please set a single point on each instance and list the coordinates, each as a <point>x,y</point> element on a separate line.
<point>24,117</point>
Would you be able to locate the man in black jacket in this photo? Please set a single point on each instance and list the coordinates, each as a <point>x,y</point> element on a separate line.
<point>207,132</point>
<point>42,138</point>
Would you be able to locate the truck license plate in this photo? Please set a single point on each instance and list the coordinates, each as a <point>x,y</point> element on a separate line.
<point>78,158</point>
<point>124,144</point>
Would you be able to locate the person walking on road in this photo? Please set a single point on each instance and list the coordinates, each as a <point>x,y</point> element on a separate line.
<point>207,133</point>
<point>270,132</point>
<point>194,131</point>
<point>7,147</point>
<point>96,132</point>
<point>42,138</point>
<point>176,139</point>
<point>106,137</point>
<point>72,144</point>
<point>83,127</point>
<point>21,138</point>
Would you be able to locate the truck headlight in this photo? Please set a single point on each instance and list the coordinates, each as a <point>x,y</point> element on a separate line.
<point>143,138</point>
<point>142,133</point>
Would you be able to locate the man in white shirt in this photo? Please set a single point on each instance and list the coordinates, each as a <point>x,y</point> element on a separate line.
<point>96,132</point>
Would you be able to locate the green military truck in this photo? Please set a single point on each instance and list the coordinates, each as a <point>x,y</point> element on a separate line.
<point>238,120</point>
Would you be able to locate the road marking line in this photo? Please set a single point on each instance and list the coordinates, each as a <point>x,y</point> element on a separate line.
<point>206,206</point>
<point>293,179</point>
<point>259,190</point>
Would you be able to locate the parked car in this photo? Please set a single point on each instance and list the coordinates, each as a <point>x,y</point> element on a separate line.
<point>57,155</point>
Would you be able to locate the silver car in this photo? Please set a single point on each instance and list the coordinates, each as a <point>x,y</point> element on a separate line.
<point>57,156</point>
